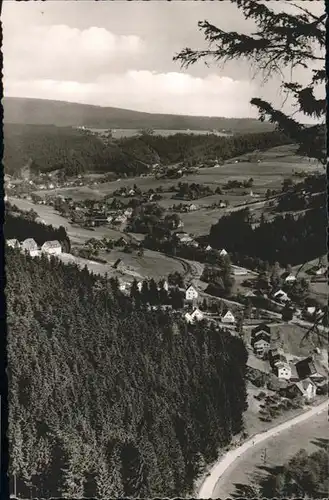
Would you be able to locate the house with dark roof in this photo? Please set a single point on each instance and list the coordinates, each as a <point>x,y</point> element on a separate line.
<point>305,368</point>
<point>262,327</point>
<point>304,388</point>
<point>276,355</point>
<point>117,264</point>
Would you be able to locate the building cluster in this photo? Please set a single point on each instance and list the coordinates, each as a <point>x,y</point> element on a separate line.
<point>31,247</point>
<point>300,378</point>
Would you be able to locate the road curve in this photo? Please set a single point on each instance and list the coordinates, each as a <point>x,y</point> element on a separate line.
<point>208,486</point>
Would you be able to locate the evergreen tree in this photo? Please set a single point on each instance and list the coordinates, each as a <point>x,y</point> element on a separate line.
<point>281,41</point>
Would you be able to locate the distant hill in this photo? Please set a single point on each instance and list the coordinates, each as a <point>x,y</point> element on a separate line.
<point>26,111</point>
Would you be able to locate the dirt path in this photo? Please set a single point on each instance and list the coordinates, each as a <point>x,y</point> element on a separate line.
<point>207,489</point>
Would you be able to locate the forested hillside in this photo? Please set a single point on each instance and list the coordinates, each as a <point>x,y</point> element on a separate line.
<point>289,240</point>
<point>47,148</point>
<point>108,399</point>
<point>47,112</point>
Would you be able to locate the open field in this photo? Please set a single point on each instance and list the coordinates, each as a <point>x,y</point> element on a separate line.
<point>276,164</point>
<point>151,265</point>
<point>279,449</point>
<point>76,234</point>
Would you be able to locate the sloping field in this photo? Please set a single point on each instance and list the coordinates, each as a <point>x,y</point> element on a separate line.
<point>279,449</point>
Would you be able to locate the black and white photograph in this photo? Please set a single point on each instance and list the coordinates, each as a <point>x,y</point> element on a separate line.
<point>165,241</point>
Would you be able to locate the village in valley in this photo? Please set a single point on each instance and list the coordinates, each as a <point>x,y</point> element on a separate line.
<point>271,309</point>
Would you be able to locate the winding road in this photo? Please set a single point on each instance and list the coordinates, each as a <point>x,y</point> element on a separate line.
<point>208,486</point>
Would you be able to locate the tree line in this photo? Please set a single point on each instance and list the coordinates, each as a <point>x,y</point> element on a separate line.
<point>289,240</point>
<point>108,399</point>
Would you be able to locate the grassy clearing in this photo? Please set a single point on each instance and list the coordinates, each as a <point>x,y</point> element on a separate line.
<point>278,450</point>
<point>151,265</point>
<point>77,235</point>
<point>276,163</point>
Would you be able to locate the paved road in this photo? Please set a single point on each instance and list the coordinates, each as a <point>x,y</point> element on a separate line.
<point>208,486</point>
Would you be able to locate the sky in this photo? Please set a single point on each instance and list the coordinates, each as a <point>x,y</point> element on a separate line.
<point>119,53</point>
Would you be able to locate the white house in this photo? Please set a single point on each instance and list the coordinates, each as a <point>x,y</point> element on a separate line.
<point>290,278</point>
<point>140,286</point>
<point>282,370</point>
<point>261,346</point>
<point>307,388</point>
<point>39,220</point>
<point>120,219</point>
<point>52,247</point>
<point>123,286</point>
<point>208,248</point>
<point>193,207</point>
<point>281,296</point>
<point>321,270</point>
<point>29,245</point>
<point>191,293</point>
<point>223,252</point>
<point>109,218</point>
<point>164,284</point>
<point>13,243</point>
<point>228,318</point>
<point>184,237</point>
<point>128,212</point>
<point>196,315</point>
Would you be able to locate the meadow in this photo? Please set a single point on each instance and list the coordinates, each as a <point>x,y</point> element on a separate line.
<point>279,449</point>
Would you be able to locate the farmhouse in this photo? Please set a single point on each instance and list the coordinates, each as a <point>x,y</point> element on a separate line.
<point>128,212</point>
<point>261,346</point>
<point>118,264</point>
<point>140,286</point>
<point>29,245</point>
<point>305,388</point>
<point>163,284</point>
<point>261,328</point>
<point>228,317</point>
<point>183,237</point>
<point>305,368</point>
<point>282,370</point>
<point>39,220</point>
<point>193,207</point>
<point>13,243</point>
<point>196,315</point>
<point>208,248</point>
<point>191,293</point>
<point>281,296</point>
<point>321,271</point>
<point>120,219</point>
<point>290,278</point>
<point>276,355</point>
<point>123,286</point>
<point>223,252</point>
<point>52,247</point>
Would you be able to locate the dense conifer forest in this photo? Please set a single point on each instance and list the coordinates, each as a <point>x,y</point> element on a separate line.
<point>289,240</point>
<point>107,398</point>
